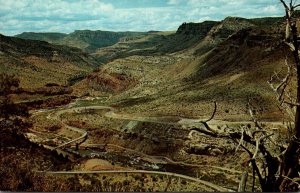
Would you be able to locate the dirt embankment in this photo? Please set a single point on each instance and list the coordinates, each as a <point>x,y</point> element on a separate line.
<point>48,96</point>
<point>105,81</point>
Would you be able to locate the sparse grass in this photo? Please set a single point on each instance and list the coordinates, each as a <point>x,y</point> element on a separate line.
<point>132,182</point>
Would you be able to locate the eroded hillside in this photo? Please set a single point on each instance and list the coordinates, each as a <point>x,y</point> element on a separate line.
<point>211,61</point>
<point>38,63</point>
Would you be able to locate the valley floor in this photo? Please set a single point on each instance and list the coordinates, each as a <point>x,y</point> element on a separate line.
<point>129,143</point>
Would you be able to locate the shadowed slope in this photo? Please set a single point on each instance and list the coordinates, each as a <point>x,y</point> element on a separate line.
<point>38,63</point>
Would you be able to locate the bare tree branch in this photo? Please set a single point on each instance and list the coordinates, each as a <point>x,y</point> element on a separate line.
<point>243,182</point>
<point>295,180</point>
<point>285,81</point>
<point>258,141</point>
<point>256,149</point>
<point>241,140</point>
<point>213,114</point>
<point>253,117</point>
<point>284,4</point>
<point>280,90</point>
<point>296,6</point>
<point>291,104</point>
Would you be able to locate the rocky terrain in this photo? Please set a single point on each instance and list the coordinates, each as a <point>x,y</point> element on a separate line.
<point>200,63</point>
<point>136,96</point>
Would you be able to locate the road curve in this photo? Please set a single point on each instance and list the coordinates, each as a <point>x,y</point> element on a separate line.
<point>162,159</point>
<point>208,184</point>
<point>109,114</point>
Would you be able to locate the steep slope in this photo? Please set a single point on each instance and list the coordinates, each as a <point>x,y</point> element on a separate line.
<point>38,63</point>
<point>219,67</point>
<point>158,43</point>
<point>238,70</point>
<point>190,38</point>
<point>142,45</point>
<point>86,40</point>
<point>91,40</point>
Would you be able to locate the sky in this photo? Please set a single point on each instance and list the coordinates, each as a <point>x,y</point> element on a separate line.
<point>17,16</point>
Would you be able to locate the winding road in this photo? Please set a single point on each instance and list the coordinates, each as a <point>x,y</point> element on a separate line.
<point>211,186</point>
<point>55,114</point>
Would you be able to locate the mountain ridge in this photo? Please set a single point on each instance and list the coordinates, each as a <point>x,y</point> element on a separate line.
<point>188,64</point>
<point>39,62</point>
<point>86,40</point>
<point>92,40</point>
<point>197,69</point>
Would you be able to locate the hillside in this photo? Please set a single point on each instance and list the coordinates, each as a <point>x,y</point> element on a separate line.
<point>116,103</point>
<point>48,37</point>
<point>196,65</point>
<point>107,45</point>
<point>158,43</point>
<point>86,40</point>
<point>37,63</point>
<point>189,38</point>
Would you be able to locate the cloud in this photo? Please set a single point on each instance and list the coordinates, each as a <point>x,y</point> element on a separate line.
<point>122,15</point>
<point>175,2</point>
<point>271,9</point>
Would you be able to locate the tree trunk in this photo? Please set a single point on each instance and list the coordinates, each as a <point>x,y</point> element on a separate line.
<point>290,163</point>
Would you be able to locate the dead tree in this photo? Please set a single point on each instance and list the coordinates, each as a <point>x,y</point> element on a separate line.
<point>290,162</point>
<point>255,137</point>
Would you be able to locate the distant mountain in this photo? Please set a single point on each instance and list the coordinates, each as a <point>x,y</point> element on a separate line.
<point>126,43</point>
<point>48,37</point>
<point>38,62</point>
<point>197,37</point>
<point>228,61</point>
<point>86,40</point>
